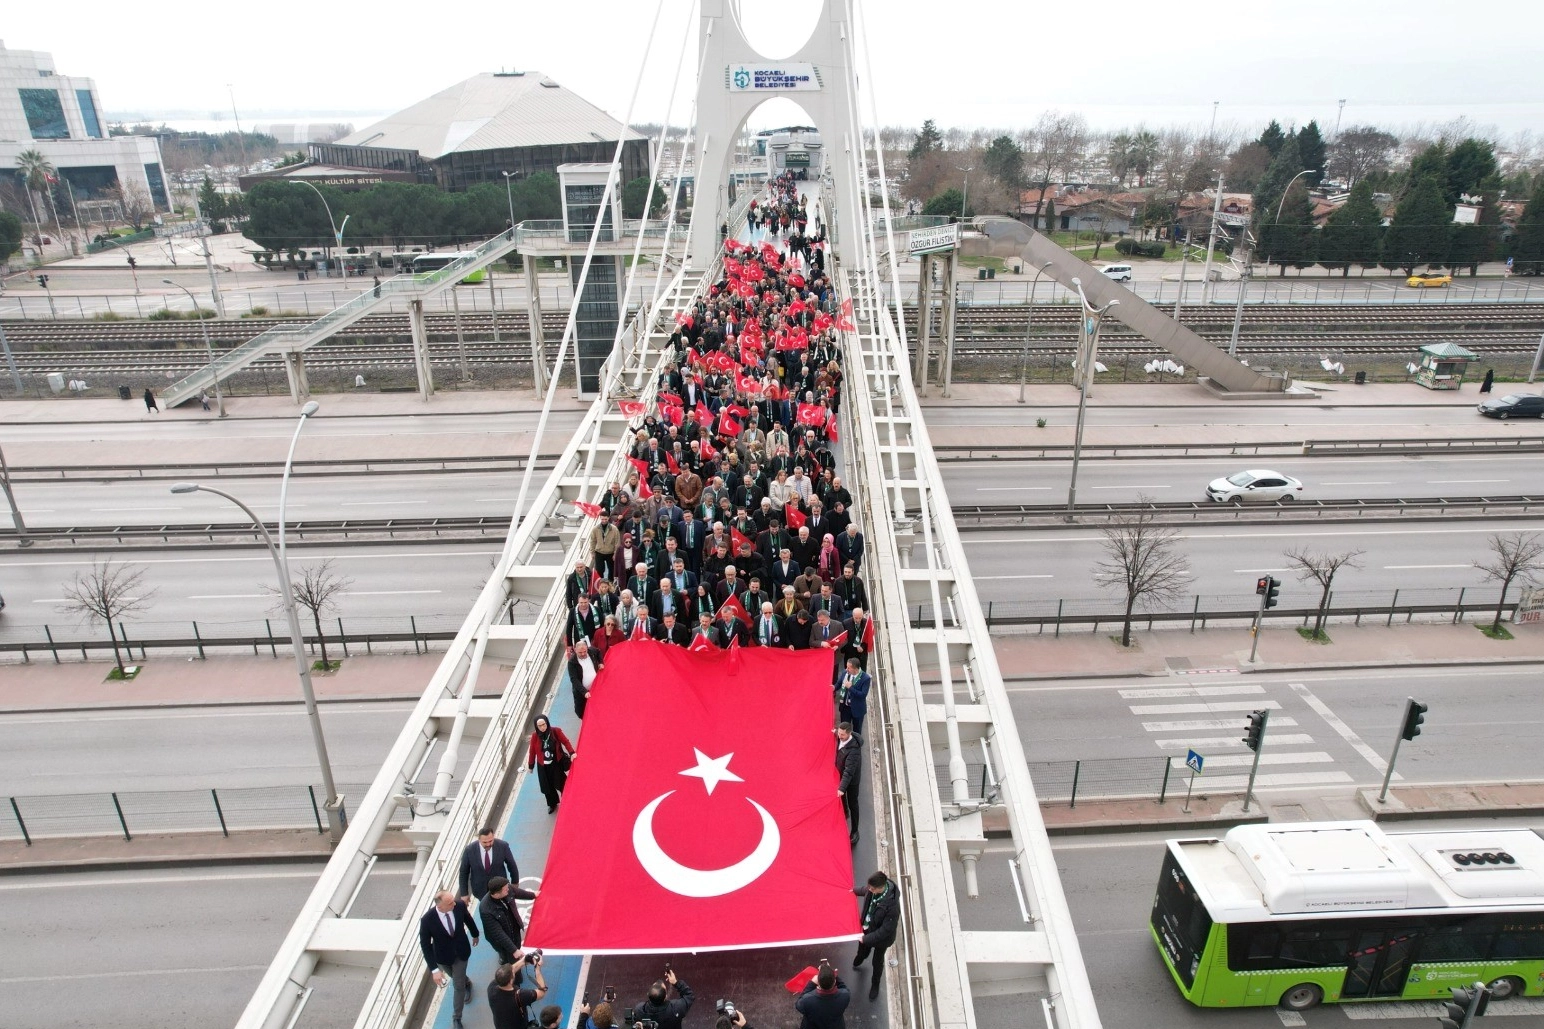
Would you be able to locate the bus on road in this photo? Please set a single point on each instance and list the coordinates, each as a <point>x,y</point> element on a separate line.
<point>433,262</point>
<point>1296,914</point>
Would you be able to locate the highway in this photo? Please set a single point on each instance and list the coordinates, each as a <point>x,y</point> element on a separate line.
<point>1313,420</point>
<point>193,748</point>
<point>173,949</point>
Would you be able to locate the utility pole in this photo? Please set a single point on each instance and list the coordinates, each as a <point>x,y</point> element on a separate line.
<point>22,540</point>
<point>1338,114</point>
<point>1088,353</point>
<point>10,362</point>
<point>1184,256</point>
<point>1211,244</point>
<point>1243,287</point>
<point>1538,356</point>
<point>240,136</point>
<point>203,238</point>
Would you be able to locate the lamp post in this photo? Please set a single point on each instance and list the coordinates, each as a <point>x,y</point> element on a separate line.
<point>1279,205</point>
<point>1028,325</point>
<point>1088,353</point>
<point>219,398</point>
<point>1248,271</point>
<point>337,818</point>
<point>337,230</point>
<point>965,193</point>
<point>509,194</point>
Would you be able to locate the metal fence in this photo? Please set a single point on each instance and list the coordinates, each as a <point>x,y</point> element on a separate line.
<point>131,813</point>
<point>1090,614</point>
<point>345,636</point>
<point>1354,291</point>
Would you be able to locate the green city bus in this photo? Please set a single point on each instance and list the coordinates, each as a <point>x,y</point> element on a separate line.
<point>434,262</point>
<point>1296,914</point>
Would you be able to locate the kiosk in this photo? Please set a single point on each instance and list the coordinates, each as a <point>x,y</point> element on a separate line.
<point>1443,365</point>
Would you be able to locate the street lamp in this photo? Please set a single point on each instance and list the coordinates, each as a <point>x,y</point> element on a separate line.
<point>22,539</point>
<point>219,398</point>
<point>1028,326</point>
<point>965,193</point>
<point>1248,270</point>
<point>509,192</point>
<point>337,818</point>
<point>1088,329</point>
<point>1279,205</point>
<point>337,230</point>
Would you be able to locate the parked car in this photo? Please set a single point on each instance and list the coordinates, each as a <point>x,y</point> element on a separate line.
<point>1428,280</point>
<point>1513,405</point>
<point>1255,484</point>
<point>1118,272</point>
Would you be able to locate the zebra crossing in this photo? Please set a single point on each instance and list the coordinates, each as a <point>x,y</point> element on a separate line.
<point>1210,720</point>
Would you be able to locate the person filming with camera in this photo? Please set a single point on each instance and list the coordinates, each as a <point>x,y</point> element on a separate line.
<point>507,999</point>
<point>659,1008</point>
<point>824,1000</point>
<point>730,1017</point>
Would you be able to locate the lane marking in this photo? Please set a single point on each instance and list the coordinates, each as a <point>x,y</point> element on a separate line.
<point>1198,709</point>
<point>229,596</point>
<point>127,973</point>
<point>1207,723</point>
<point>984,578</point>
<point>1010,489</point>
<point>1246,571</point>
<point>1390,568</point>
<point>1290,739</point>
<point>264,559</point>
<point>1231,782</point>
<point>1057,540</point>
<point>379,503</point>
<point>1370,482</point>
<point>1452,482</point>
<point>1302,757</point>
<point>1132,487</point>
<point>1191,691</point>
<point>385,593</point>
<point>73,880</point>
<point>1346,732</point>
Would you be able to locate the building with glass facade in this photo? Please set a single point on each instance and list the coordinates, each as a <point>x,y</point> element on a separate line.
<point>61,116</point>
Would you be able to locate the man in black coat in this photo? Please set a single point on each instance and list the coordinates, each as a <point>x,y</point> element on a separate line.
<point>880,917</point>
<point>657,1007</point>
<point>824,1002</point>
<point>481,861</point>
<point>583,666</point>
<point>670,630</point>
<point>501,920</point>
<point>446,935</point>
<point>849,769</point>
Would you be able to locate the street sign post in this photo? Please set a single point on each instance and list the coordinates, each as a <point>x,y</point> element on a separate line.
<point>1193,761</point>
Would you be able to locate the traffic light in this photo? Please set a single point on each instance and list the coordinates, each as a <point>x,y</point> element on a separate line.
<point>1467,1004</point>
<point>133,263</point>
<point>43,281</point>
<point>1262,584</point>
<point>1272,591</point>
<point>1254,732</point>
<point>1414,715</point>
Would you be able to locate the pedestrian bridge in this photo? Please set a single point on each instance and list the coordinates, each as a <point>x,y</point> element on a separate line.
<point>986,935</point>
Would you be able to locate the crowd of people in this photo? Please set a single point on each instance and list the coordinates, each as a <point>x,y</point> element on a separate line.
<point>731,528</point>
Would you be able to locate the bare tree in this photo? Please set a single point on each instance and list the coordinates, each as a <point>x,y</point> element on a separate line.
<point>1144,561</point>
<point>1513,554</point>
<point>1063,143</point>
<point>1321,568</point>
<point>1359,151</point>
<point>134,200</point>
<point>317,590</point>
<point>106,594</point>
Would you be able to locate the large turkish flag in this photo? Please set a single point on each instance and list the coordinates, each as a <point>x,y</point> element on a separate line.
<point>702,811</point>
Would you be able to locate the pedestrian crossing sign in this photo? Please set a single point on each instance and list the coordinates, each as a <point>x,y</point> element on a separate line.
<point>1193,761</point>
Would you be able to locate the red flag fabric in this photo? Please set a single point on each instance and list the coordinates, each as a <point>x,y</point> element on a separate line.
<point>593,510</point>
<point>868,634</point>
<point>706,449</point>
<point>674,414</point>
<point>638,631</point>
<point>831,429</point>
<point>701,645</point>
<point>674,465</point>
<point>732,604</point>
<point>736,537</point>
<point>704,814</point>
<point>670,400</point>
<point>793,517</point>
<point>811,414</point>
<point>702,414</point>
<point>797,984</point>
<point>847,306</point>
<point>641,467</point>
<point>836,642</point>
<point>727,426</point>
<point>631,408</point>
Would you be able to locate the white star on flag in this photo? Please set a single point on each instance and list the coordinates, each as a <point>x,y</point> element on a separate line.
<point>712,770</point>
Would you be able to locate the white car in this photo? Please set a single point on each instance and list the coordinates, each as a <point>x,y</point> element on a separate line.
<point>1255,484</point>
<point>1118,272</point>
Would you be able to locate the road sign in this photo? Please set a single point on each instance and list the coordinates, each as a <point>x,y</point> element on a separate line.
<point>935,239</point>
<point>1194,761</point>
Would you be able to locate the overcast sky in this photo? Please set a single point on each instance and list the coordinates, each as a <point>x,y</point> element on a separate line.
<point>978,63</point>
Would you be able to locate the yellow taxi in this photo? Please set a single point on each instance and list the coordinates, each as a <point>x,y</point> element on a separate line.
<point>1428,280</point>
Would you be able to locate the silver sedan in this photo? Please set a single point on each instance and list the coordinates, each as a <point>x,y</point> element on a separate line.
<point>1257,484</point>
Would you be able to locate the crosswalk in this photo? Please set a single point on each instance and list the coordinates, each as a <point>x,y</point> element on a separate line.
<point>1210,720</point>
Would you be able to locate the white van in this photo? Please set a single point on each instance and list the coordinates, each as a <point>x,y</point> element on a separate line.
<point>1118,272</point>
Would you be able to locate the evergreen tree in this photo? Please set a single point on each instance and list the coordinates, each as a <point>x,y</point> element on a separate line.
<point>929,140</point>
<point>1267,195</point>
<point>1004,161</point>
<point>1469,164</point>
<point>1050,215</point>
<point>950,203</point>
<point>1290,238</point>
<point>1475,244</point>
<point>1272,138</point>
<point>1310,148</point>
<point>1353,233</point>
<point>1431,161</point>
<point>1421,229</point>
<point>210,204</point>
<point>1528,244</point>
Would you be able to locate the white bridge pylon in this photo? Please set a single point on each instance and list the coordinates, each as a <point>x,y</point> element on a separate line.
<point>737,79</point>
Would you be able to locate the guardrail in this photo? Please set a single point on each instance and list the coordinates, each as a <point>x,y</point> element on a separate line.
<point>988,451</point>
<point>356,530</point>
<point>124,813</point>
<point>256,635</point>
<point>252,469</point>
<point>1201,610</point>
<point>1182,512</point>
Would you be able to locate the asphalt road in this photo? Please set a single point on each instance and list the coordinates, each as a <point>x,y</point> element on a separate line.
<point>1185,479</point>
<point>258,430</point>
<point>173,949</point>
<point>196,748</point>
<point>1327,730</point>
<point>1317,421</point>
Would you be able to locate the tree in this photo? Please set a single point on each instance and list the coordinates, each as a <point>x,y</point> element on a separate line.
<point>1063,142</point>
<point>1528,245</point>
<point>1246,167</point>
<point>133,200</point>
<point>1118,156</point>
<point>1420,230</point>
<point>1272,138</point>
<point>11,234</point>
<point>1143,561</point>
<point>929,140</point>
<point>1354,232</point>
<point>1004,161</point>
<point>1469,165</point>
<point>106,594</point>
<point>1289,237</point>
<point>1514,554</point>
<point>633,194</point>
<point>210,203</point>
<point>37,171</point>
<point>1267,195</point>
<point>1310,149</point>
<point>1360,151</point>
<point>1476,243</point>
<point>317,590</point>
<point>1050,215</point>
<point>1321,568</point>
<point>1144,152</point>
<point>950,203</point>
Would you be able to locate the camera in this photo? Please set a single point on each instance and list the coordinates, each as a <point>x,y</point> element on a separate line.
<point>725,1008</point>
<point>609,994</point>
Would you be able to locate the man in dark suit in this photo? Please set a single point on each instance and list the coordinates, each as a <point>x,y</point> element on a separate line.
<point>501,920</point>
<point>678,604</point>
<point>583,666</point>
<point>766,628</point>
<point>728,629</point>
<point>447,934</point>
<point>671,631</point>
<point>691,536</point>
<point>880,918</point>
<point>785,570</point>
<point>849,770</point>
<point>481,860</point>
<point>849,544</point>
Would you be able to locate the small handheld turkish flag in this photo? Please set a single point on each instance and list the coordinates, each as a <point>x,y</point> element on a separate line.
<point>631,408</point>
<point>739,539</point>
<point>592,510</point>
<point>732,604</point>
<point>706,815</point>
<point>793,517</point>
